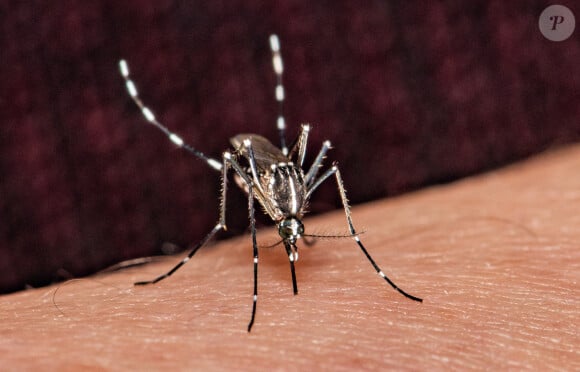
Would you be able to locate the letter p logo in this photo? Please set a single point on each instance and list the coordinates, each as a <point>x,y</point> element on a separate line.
<point>556,23</point>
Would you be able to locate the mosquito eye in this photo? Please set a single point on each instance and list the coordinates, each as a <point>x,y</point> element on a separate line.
<point>300,229</point>
<point>285,229</point>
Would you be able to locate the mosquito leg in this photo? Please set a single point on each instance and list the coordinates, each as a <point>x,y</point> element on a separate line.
<point>334,170</point>
<point>216,228</point>
<point>226,159</point>
<point>357,239</point>
<point>150,117</point>
<point>317,164</point>
<point>252,160</point>
<point>278,65</point>
<point>219,226</point>
<point>320,180</point>
<point>230,161</point>
<point>299,146</point>
<point>247,143</point>
<point>255,249</point>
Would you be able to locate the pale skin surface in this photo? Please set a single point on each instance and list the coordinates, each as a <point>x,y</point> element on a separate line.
<point>495,257</point>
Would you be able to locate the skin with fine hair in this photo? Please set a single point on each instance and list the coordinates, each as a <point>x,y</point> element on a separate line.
<point>495,258</point>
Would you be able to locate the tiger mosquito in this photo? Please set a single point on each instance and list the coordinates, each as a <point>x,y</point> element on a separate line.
<point>273,176</point>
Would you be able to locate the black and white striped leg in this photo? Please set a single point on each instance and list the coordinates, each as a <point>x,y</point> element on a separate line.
<point>299,146</point>
<point>334,170</point>
<point>219,226</point>
<point>278,65</point>
<point>317,164</point>
<point>150,117</point>
<point>255,249</point>
<point>230,161</point>
<point>216,228</point>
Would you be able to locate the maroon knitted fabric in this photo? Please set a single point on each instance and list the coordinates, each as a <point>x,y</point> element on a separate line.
<point>410,94</point>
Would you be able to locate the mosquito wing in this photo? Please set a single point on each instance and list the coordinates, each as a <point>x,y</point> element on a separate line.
<point>265,153</point>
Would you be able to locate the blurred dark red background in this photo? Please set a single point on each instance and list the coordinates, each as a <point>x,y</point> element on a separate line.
<point>410,93</point>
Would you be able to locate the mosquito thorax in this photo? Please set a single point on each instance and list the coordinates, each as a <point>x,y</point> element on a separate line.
<point>291,229</point>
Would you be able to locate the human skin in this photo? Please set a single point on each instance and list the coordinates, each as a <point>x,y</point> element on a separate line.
<point>495,257</point>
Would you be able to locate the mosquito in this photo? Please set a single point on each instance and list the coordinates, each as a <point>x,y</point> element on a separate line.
<point>273,176</point>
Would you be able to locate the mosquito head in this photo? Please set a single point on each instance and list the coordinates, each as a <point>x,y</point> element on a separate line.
<point>290,229</point>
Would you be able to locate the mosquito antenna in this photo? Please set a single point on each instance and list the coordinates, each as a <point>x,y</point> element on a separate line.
<point>278,65</point>
<point>310,239</point>
<point>150,117</point>
<point>334,236</point>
